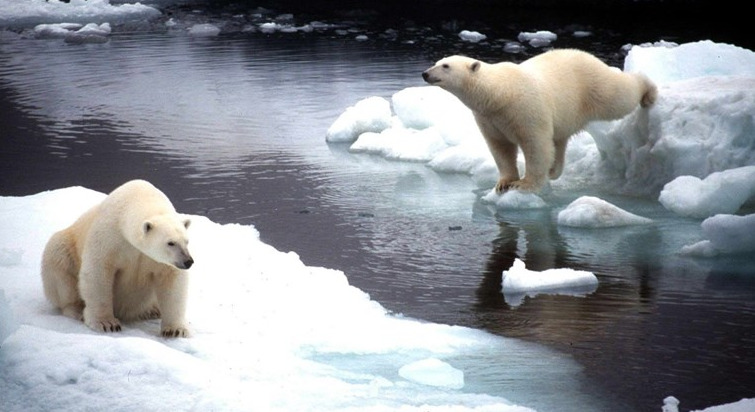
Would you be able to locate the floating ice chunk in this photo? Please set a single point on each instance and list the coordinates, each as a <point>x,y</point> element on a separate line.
<point>592,212</point>
<point>361,37</point>
<point>513,47</point>
<point>514,200</point>
<point>472,36</point>
<point>725,234</point>
<point>372,114</point>
<point>540,38</point>
<point>204,30</point>
<point>401,144</point>
<point>720,192</point>
<point>56,30</point>
<point>581,33</point>
<point>519,282</point>
<point>670,404</point>
<point>95,29</point>
<point>433,372</point>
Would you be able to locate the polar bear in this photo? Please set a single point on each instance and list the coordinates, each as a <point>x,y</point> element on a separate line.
<point>126,258</point>
<point>538,104</point>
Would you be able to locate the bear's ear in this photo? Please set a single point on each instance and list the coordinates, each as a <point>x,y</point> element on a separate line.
<point>147,226</point>
<point>187,223</point>
<point>474,66</point>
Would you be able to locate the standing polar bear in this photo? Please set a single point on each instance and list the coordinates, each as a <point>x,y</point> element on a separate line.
<point>538,104</point>
<point>123,259</point>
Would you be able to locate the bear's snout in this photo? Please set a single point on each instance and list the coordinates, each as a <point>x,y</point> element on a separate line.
<point>187,263</point>
<point>429,78</point>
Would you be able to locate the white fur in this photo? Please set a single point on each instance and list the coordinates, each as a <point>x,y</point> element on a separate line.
<point>123,259</point>
<point>538,104</point>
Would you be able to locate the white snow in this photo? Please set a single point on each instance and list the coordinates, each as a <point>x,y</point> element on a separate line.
<point>592,212</point>
<point>519,282</point>
<point>269,334</point>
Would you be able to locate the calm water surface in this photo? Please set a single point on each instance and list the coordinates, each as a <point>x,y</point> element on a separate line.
<point>233,128</point>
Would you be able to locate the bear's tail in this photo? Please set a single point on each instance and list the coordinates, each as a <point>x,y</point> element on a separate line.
<point>649,91</point>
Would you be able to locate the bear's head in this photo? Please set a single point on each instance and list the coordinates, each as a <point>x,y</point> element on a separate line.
<point>165,239</point>
<point>452,73</point>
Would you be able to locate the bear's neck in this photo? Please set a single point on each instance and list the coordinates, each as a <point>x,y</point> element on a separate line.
<point>477,97</point>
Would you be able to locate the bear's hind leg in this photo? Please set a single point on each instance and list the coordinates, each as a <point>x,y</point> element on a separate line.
<point>558,161</point>
<point>60,268</point>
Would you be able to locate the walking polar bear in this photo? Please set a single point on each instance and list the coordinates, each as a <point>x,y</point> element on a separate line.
<point>538,104</point>
<point>124,259</point>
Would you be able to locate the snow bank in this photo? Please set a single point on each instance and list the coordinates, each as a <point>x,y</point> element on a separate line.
<point>592,212</point>
<point>519,282</point>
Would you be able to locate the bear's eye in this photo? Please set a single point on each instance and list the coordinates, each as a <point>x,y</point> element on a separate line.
<point>446,66</point>
<point>171,243</point>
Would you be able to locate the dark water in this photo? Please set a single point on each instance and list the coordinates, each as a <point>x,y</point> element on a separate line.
<point>233,128</point>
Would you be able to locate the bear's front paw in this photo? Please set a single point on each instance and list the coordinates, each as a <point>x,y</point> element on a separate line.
<point>524,185</point>
<point>504,184</point>
<point>105,325</point>
<point>175,332</point>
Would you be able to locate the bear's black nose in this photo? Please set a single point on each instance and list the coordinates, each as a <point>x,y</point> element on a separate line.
<point>425,75</point>
<point>188,262</point>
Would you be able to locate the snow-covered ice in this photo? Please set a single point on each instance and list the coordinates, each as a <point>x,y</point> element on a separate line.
<point>592,212</point>
<point>269,334</point>
<point>519,282</point>
<point>719,192</point>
